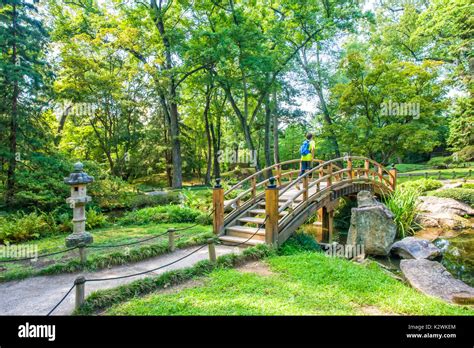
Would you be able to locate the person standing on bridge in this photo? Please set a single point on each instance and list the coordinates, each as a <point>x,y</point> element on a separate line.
<point>307,155</point>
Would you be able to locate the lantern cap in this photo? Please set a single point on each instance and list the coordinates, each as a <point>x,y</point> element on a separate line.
<point>78,176</point>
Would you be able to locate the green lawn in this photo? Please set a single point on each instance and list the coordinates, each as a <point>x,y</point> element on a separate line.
<point>305,283</point>
<point>103,257</point>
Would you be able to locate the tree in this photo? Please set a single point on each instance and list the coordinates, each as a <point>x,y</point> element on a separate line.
<point>22,76</point>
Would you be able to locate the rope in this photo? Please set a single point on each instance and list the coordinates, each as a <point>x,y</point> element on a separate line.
<point>148,271</point>
<point>64,297</point>
<point>40,256</point>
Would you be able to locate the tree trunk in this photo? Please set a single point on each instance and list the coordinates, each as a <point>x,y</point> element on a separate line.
<point>10,189</point>
<point>266,146</point>
<point>276,149</point>
<point>207,179</point>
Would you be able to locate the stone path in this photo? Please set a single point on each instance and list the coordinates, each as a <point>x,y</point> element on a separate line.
<point>38,295</point>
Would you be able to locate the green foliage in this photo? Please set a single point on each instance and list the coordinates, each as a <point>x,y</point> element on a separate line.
<point>409,167</point>
<point>21,227</point>
<point>465,195</point>
<point>440,162</point>
<point>466,153</point>
<point>163,214</point>
<point>468,185</point>
<point>304,283</point>
<point>95,219</point>
<point>103,299</point>
<point>422,185</point>
<point>402,203</point>
<point>299,242</point>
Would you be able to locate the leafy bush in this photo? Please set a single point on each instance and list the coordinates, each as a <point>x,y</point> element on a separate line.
<point>468,185</point>
<point>422,185</point>
<point>299,242</point>
<point>204,219</point>
<point>440,162</point>
<point>140,201</point>
<point>95,219</point>
<point>466,154</point>
<point>402,203</point>
<point>197,199</point>
<point>161,214</point>
<point>465,195</point>
<point>22,227</point>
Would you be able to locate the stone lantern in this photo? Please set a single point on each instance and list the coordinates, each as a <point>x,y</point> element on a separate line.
<point>78,181</point>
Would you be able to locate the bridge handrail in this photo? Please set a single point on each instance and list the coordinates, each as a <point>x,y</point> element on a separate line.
<point>240,183</point>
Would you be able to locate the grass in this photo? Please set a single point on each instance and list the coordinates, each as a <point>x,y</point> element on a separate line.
<point>440,174</point>
<point>103,299</point>
<point>304,283</point>
<point>102,258</point>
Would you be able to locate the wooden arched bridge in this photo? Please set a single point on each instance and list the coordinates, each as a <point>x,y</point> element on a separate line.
<point>269,205</point>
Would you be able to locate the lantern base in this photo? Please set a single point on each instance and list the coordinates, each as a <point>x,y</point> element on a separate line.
<point>75,239</point>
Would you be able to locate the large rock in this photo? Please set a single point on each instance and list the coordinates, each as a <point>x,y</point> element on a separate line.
<point>371,225</point>
<point>415,248</point>
<point>431,278</point>
<point>442,212</point>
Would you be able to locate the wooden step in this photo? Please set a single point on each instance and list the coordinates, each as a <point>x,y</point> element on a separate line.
<point>252,220</point>
<point>238,240</point>
<point>262,212</point>
<point>246,232</point>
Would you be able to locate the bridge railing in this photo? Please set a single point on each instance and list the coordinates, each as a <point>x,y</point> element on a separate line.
<point>331,177</point>
<point>254,182</point>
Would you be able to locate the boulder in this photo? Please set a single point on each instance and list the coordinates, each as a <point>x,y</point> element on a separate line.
<point>442,212</point>
<point>432,278</point>
<point>371,225</point>
<point>415,248</point>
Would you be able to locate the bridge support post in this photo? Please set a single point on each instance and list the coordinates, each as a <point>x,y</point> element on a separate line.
<point>328,226</point>
<point>271,210</point>
<point>218,207</point>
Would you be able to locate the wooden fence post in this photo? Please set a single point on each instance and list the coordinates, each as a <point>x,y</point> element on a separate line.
<point>254,187</point>
<point>80,291</point>
<point>218,206</point>
<point>171,245</point>
<point>393,178</point>
<point>327,225</point>
<point>212,250</point>
<point>271,210</point>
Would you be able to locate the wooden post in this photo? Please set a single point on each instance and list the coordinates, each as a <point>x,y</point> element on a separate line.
<point>271,210</point>
<point>426,175</point>
<point>278,174</point>
<point>218,206</point>
<point>349,166</point>
<point>254,187</point>
<point>380,170</point>
<point>328,225</point>
<point>212,250</point>
<point>80,291</point>
<point>171,245</point>
<point>393,178</point>
<point>366,168</point>
<point>329,179</point>
<point>305,188</point>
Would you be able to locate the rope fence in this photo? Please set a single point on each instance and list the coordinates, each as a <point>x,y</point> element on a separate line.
<point>80,282</point>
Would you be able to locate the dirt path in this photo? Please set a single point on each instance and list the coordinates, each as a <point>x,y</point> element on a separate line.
<point>38,295</point>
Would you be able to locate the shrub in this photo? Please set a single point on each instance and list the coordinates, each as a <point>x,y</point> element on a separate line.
<point>161,214</point>
<point>402,203</point>
<point>466,154</point>
<point>140,200</point>
<point>465,195</point>
<point>204,219</point>
<point>468,185</point>
<point>22,227</point>
<point>440,162</point>
<point>422,185</point>
<point>95,219</point>
<point>299,242</point>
